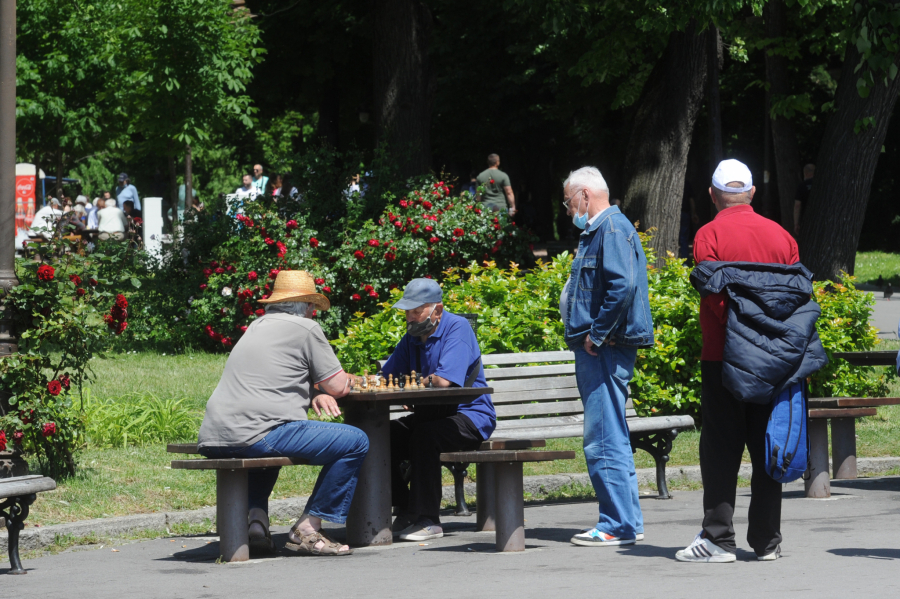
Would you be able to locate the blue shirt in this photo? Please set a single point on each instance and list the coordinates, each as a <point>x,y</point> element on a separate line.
<point>128,192</point>
<point>450,352</point>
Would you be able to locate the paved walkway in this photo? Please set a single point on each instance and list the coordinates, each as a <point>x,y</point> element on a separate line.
<point>832,548</point>
<point>886,315</point>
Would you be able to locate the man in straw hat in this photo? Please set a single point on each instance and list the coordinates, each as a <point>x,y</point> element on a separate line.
<point>281,366</point>
<point>442,348</point>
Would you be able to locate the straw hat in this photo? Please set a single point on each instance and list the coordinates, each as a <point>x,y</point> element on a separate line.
<point>296,286</point>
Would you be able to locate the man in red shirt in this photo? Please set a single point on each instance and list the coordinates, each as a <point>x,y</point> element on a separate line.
<point>737,234</point>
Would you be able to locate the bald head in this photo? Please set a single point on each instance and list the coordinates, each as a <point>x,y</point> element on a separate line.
<point>493,160</point>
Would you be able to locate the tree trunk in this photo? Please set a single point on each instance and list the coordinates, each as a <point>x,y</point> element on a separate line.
<point>833,220</point>
<point>59,174</point>
<point>188,178</point>
<point>714,61</point>
<point>39,198</point>
<point>403,82</point>
<point>173,187</point>
<point>329,114</point>
<point>784,137</point>
<point>657,151</point>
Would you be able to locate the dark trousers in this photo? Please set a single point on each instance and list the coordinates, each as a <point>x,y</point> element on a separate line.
<point>728,425</point>
<point>420,438</point>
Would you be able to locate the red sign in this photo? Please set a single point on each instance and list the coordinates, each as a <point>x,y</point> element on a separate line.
<point>25,202</point>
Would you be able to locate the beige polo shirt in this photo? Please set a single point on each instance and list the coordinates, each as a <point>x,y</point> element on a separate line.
<point>268,380</point>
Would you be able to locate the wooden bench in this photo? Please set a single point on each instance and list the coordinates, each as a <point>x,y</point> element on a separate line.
<point>18,493</point>
<point>543,402</point>
<point>231,495</point>
<point>501,499</point>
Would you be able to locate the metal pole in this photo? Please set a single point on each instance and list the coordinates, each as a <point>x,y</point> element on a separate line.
<point>7,169</point>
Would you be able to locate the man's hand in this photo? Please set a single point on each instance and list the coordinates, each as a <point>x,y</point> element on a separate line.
<point>326,403</point>
<point>589,345</point>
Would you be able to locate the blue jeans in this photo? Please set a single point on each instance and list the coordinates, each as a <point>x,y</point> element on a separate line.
<point>339,448</point>
<point>603,384</point>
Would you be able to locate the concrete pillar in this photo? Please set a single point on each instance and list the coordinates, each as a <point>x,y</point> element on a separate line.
<point>486,513</point>
<point>818,484</point>
<point>153,226</point>
<point>510,506</point>
<point>843,447</point>
<point>369,520</point>
<point>231,515</point>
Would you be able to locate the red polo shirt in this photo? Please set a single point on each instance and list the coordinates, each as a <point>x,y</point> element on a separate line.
<point>737,234</point>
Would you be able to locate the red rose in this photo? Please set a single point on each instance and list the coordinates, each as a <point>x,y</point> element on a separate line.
<point>260,312</point>
<point>291,225</point>
<point>477,211</point>
<point>269,241</point>
<point>326,289</point>
<point>392,286</point>
<point>203,286</point>
<point>429,228</point>
<point>45,272</point>
<point>214,264</point>
<point>398,224</point>
<point>314,242</point>
<point>320,281</point>
<point>26,418</point>
<point>496,220</point>
<point>427,276</point>
<point>75,279</point>
<point>243,328</point>
<point>230,268</point>
<point>207,272</point>
<point>355,297</point>
<point>282,249</point>
<point>459,232</point>
<point>263,232</point>
<point>359,255</point>
<point>80,292</point>
<point>373,243</point>
<point>373,293</point>
<point>54,387</point>
<point>227,342</point>
<point>17,437</point>
<point>2,440</point>
<point>497,227</point>
<point>390,256</point>
<point>492,181</point>
<point>427,205</point>
<point>65,381</point>
<point>121,328</point>
<point>220,271</point>
<point>273,273</point>
<point>403,203</point>
<point>93,282</point>
<point>252,276</point>
<point>49,429</point>
<point>109,320</point>
<point>368,288</point>
<point>433,240</point>
<point>247,309</point>
<point>121,302</point>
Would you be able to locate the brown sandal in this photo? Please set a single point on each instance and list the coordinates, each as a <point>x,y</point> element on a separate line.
<point>307,545</point>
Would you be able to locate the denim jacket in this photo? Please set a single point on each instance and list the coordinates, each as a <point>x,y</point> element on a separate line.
<point>608,295</point>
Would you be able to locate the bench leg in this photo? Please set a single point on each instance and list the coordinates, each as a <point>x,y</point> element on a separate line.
<point>818,485</point>
<point>843,447</point>
<point>658,445</point>
<point>232,507</point>
<point>486,514</point>
<point>459,469</point>
<point>510,506</point>
<point>15,510</point>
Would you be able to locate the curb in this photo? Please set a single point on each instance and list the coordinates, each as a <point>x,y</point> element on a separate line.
<point>537,486</point>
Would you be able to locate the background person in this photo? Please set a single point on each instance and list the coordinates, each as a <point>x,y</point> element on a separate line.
<point>498,193</point>
<point>282,365</point>
<point>92,218</point>
<point>442,348</point>
<point>46,220</point>
<point>802,195</point>
<point>112,223</point>
<point>606,313</point>
<point>260,181</point>
<point>126,191</point>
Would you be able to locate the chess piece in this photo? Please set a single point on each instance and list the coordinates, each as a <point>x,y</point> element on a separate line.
<point>419,381</point>
<point>407,380</point>
<point>401,384</point>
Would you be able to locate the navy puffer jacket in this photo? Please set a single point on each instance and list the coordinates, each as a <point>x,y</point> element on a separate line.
<point>770,333</point>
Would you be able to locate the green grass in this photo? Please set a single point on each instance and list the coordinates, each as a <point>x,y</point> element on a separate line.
<point>869,265</point>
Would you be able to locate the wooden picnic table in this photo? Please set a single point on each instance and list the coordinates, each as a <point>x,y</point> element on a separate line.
<point>369,520</point>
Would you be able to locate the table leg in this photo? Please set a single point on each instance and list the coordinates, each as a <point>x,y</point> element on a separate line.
<point>232,507</point>
<point>486,513</point>
<point>369,520</point>
<point>818,484</point>
<point>510,505</point>
<point>843,447</point>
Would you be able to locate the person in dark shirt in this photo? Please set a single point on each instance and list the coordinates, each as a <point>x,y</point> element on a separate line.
<point>688,217</point>
<point>802,195</point>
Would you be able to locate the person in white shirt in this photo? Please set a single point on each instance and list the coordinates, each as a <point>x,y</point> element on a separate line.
<point>248,190</point>
<point>46,220</point>
<point>259,180</point>
<point>92,210</point>
<point>112,222</point>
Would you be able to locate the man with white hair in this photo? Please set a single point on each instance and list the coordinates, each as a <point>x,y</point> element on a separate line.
<point>112,223</point>
<point>605,307</point>
<point>46,220</point>
<point>92,209</point>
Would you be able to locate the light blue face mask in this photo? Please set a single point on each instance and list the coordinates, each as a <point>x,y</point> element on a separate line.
<point>580,220</point>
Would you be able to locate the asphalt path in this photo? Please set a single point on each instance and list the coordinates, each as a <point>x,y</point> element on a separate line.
<point>886,316</point>
<point>840,547</point>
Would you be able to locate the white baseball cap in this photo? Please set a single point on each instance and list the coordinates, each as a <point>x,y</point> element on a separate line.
<point>730,171</point>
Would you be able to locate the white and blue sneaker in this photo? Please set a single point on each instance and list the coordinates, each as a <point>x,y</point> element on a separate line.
<point>704,551</point>
<point>597,538</point>
<point>638,537</point>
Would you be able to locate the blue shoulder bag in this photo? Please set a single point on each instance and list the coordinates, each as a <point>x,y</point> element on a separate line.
<point>787,436</point>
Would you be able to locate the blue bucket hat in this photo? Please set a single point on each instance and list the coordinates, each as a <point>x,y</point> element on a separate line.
<point>419,292</point>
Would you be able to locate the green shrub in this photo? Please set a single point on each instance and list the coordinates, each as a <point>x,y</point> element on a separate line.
<point>138,419</point>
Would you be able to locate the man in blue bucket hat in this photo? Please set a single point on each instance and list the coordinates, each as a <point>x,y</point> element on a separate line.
<point>442,348</point>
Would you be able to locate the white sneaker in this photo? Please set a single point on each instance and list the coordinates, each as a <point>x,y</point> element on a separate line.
<point>597,538</point>
<point>702,550</point>
<point>771,557</point>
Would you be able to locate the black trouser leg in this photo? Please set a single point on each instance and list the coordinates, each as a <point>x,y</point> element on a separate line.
<point>729,425</point>
<point>401,431</point>
<point>764,516</point>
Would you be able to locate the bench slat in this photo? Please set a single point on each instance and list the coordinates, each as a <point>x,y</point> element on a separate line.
<point>235,463</point>
<point>853,402</point>
<point>527,358</point>
<point>533,409</point>
<point>25,485</point>
<point>534,384</point>
<point>525,397</point>
<point>498,444</point>
<point>843,413</point>
<point>527,371</point>
<point>476,457</point>
<point>182,448</point>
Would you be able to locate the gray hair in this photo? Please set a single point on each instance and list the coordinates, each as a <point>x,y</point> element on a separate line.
<point>729,199</point>
<point>587,177</point>
<point>294,308</point>
<point>111,203</point>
